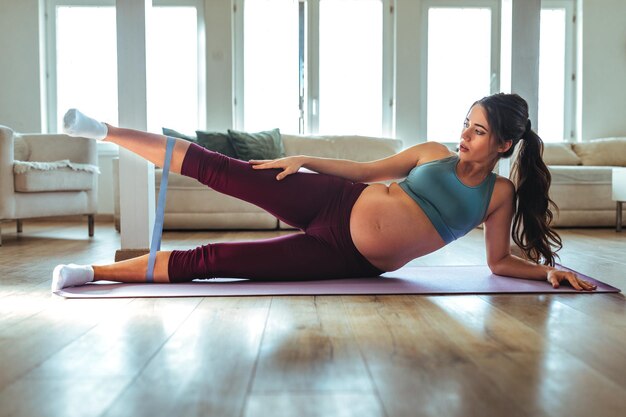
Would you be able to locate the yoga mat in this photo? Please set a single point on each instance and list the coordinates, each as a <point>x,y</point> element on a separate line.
<point>407,280</point>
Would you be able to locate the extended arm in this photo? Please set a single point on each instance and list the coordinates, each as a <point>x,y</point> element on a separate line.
<point>392,167</point>
<point>497,229</point>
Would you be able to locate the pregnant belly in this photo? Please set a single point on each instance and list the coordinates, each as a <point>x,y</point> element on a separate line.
<point>390,229</point>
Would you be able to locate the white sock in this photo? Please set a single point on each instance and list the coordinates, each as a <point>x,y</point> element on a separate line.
<point>77,124</point>
<point>71,275</point>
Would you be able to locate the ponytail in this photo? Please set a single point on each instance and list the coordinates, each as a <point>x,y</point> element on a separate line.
<point>533,214</point>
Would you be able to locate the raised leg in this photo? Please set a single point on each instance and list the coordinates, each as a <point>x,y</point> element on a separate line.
<point>149,146</point>
<point>296,200</point>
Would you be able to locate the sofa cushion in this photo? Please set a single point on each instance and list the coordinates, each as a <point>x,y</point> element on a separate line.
<point>260,145</point>
<point>602,152</point>
<point>61,179</point>
<point>356,148</point>
<point>53,176</point>
<point>176,134</point>
<point>213,141</point>
<point>560,154</point>
<point>580,175</point>
<point>218,142</point>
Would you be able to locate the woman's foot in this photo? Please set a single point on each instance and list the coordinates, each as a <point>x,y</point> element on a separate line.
<point>77,124</point>
<point>71,275</point>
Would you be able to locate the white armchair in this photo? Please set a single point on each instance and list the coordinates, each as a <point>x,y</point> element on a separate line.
<point>43,175</point>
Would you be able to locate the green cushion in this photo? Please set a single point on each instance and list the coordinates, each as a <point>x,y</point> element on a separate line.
<point>218,142</point>
<point>260,145</point>
<point>175,134</point>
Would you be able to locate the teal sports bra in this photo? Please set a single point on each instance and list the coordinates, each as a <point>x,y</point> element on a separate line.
<point>453,207</point>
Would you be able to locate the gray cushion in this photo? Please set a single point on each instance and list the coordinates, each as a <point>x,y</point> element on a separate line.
<point>218,142</point>
<point>260,145</point>
<point>213,141</point>
<point>176,134</point>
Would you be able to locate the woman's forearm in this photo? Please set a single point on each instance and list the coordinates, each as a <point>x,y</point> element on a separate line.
<point>350,170</point>
<point>513,266</point>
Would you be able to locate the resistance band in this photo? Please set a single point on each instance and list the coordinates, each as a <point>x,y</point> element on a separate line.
<point>157,231</point>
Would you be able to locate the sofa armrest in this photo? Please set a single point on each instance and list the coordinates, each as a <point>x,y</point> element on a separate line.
<point>7,190</point>
<point>46,148</point>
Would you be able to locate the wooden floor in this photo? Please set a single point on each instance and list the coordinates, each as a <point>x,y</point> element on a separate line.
<point>504,355</point>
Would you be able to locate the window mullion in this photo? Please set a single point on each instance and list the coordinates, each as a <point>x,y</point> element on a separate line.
<point>496,30</point>
<point>238,66</point>
<point>313,67</point>
<point>388,102</point>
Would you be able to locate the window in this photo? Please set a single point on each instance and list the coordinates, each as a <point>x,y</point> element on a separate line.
<point>462,64</point>
<point>86,63</point>
<point>172,68</point>
<point>556,83</point>
<point>350,67</point>
<point>271,82</point>
<point>82,62</point>
<point>302,68</point>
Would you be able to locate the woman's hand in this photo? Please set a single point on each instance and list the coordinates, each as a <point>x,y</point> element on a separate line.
<point>555,276</point>
<point>289,165</point>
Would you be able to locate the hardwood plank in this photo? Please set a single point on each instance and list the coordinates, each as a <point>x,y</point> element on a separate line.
<point>601,347</point>
<point>491,338</point>
<point>205,368</point>
<point>336,404</point>
<point>64,397</point>
<point>550,383</point>
<point>309,346</point>
<point>416,368</point>
<point>123,341</point>
<point>30,343</point>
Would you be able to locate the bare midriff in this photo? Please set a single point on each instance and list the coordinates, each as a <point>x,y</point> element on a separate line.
<point>390,229</point>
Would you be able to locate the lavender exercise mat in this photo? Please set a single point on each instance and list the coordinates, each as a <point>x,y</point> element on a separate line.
<point>407,280</point>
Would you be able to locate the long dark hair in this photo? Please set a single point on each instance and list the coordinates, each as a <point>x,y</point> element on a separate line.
<point>507,115</point>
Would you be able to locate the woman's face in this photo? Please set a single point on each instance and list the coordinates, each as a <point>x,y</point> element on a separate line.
<point>477,140</point>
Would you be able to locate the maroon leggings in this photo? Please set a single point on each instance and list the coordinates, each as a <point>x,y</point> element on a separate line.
<point>317,204</point>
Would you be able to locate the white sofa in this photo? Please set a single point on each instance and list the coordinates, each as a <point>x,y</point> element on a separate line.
<point>581,180</point>
<point>43,175</point>
<point>581,183</point>
<point>192,205</point>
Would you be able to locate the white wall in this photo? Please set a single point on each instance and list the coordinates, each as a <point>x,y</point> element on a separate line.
<point>20,100</point>
<point>603,81</point>
<point>408,74</point>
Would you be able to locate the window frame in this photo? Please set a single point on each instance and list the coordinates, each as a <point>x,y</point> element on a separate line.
<point>51,58</point>
<point>496,27</point>
<point>311,89</point>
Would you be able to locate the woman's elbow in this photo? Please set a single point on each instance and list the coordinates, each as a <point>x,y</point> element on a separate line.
<point>496,266</point>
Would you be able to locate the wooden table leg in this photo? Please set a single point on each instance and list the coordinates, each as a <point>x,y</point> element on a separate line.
<point>618,217</point>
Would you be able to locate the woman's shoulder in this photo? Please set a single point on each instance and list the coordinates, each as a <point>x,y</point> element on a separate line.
<point>433,151</point>
<point>438,148</point>
<point>503,190</point>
